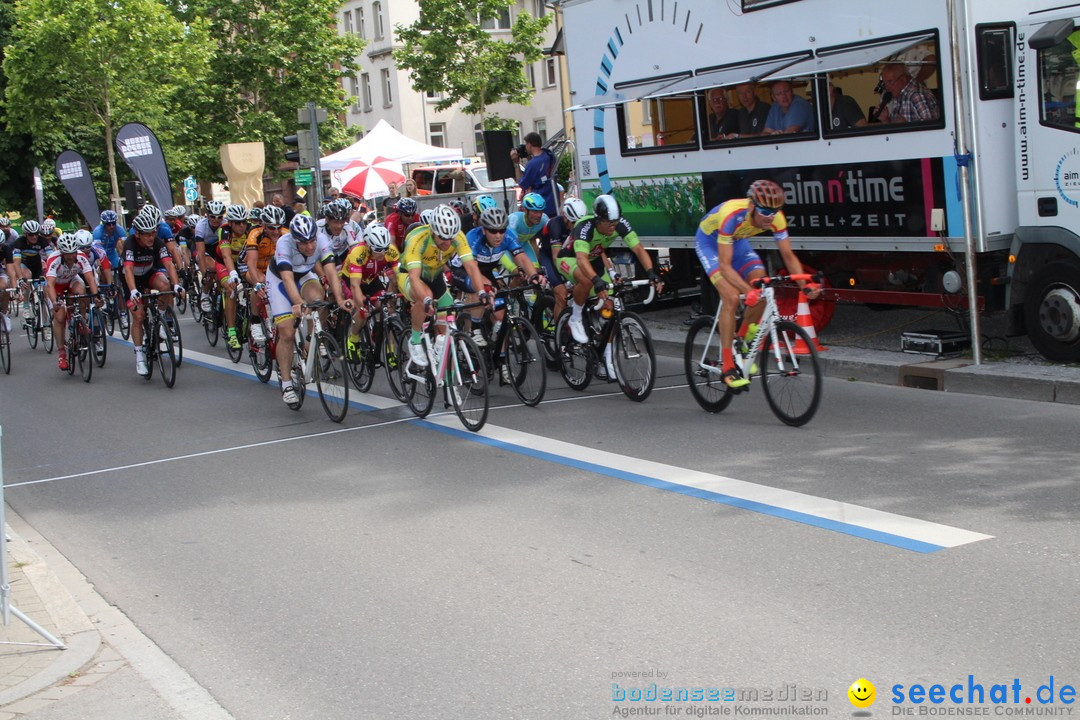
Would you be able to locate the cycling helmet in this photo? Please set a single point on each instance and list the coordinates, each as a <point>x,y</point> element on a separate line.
<point>109,217</point>
<point>192,221</point>
<point>574,209</point>
<point>460,206</point>
<point>303,228</point>
<point>47,226</point>
<point>493,219</point>
<point>426,215</point>
<point>273,216</point>
<point>445,222</point>
<point>145,222</point>
<point>236,213</point>
<point>345,203</point>
<point>31,227</point>
<point>334,211</point>
<point>766,194</point>
<point>481,203</point>
<point>377,237</point>
<point>176,211</point>
<point>152,211</point>
<point>406,206</point>
<point>215,207</point>
<point>606,207</point>
<point>5,221</point>
<point>254,215</point>
<point>533,201</point>
<point>67,243</point>
<point>85,239</point>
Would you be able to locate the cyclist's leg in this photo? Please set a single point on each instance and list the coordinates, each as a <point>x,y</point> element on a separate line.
<point>750,267</point>
<point>708,254</point>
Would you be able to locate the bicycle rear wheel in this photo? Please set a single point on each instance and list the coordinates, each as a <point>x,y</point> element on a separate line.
<point>210,327</point>
<point>525,359</point>
<point>195,290</point>
<point>331,378</point>
<point>791,374</point>
<point>71,348</point>
<point>543,321</point>
<point>84,351</point>
<point>5,350</point>
<point>30,322</point>
<point>576,361</point>
<point>635,360</point>
<point>419,394</point>
<point>123,316</point>
<point>362,368</point>
<point>172,322</point>
<point>99,344</point>
<point>262,359</point>
<point>467,382</point>
<point>703,368</point>
<point>166,353</point>
<point>45,323</point>
<point>393,344</point>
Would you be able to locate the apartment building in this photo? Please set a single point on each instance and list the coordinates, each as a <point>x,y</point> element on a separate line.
<point>382,91</point>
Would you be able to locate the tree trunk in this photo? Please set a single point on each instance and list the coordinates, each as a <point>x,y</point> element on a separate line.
<point>110,153</point>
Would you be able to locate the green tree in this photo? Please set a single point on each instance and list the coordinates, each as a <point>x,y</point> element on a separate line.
<point>271,58</point>
<point>447,50</point>
<point>87,66</point>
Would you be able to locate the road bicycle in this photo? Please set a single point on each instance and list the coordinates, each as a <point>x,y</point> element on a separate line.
<point>455,365</point>
<point>99,344</point>
<point>38,321</point>
<point>318,357</point>
<point>5,336</point>
<point>157,340</point>
<point>79,344</point>
<point>114,312</point>
<point>239,293</point>
<point>514,354</point>
<point>618,339</point>
<point>378,344</point>
<point>790,371</point>
<point>261,355</point>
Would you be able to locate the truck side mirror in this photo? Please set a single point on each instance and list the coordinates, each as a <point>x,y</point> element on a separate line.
<point>1051,34</point>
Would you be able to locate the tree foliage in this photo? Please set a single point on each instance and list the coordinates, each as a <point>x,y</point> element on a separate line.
<point>449,52</point>
<point>78,68</point>
<point>272,57</point>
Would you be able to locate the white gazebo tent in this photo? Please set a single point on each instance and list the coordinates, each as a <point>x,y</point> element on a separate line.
<point>385,141</point>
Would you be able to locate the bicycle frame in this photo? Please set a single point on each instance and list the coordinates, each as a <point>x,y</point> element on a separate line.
<point>440,364</point>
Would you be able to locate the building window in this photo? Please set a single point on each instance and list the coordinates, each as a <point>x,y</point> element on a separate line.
<point>540,128</point>
<point>433,96</point>
<point>437,134</point>
<point>539,7</point>
<point>502,22</point>
<point>377,18</point>
<point>530,75</point>
<point>347,22</point>
<point>388,90</point>
<point>360,23</point>
<point>365,85</point>
<point>551,72</point>
<point>354,88</point>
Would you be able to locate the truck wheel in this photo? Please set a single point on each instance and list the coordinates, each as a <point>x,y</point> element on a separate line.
<point>1052,311</point>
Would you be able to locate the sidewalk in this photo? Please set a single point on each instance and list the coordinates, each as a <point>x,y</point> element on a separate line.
<point>109,671</point>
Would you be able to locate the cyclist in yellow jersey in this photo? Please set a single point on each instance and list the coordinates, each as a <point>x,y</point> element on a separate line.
<point>367,270</point>
<point>420,272</point>
<point>231,252</point>
<point>731,263</point>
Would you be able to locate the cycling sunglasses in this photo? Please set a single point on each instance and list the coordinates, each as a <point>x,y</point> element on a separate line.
<point>766,212</point>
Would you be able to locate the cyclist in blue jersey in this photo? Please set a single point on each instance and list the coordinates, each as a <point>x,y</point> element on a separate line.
<point>107,234</point>
<point>529,222</point>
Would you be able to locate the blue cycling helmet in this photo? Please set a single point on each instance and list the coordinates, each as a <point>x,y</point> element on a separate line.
<point>109,217</point>
<point>484,202</point>
<point>533,201</point>
<point>302,228</point>
<point>406,206</point>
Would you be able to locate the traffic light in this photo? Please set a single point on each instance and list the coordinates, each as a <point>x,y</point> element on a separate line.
<point>303,154</point>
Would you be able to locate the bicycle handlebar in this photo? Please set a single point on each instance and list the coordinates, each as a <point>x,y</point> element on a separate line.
<point>773,279</point>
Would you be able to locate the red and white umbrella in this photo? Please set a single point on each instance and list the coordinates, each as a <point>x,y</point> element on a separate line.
<point>369,178</point>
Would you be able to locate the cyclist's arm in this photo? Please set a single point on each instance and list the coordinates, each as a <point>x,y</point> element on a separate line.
<point>225,251</point>
<point>50,289</point>
<point>330,272</point>
<point>478,280</point>
<point>794,267</point>
<point>174,252</point>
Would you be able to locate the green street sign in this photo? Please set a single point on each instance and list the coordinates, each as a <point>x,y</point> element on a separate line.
<point>303,177</point>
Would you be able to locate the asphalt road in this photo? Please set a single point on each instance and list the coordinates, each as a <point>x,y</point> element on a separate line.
<point>391,568</point>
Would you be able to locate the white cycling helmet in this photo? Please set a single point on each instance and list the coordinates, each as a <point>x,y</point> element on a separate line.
<point>426,215</point>
<point>574,209</point>
<point>215,207</point>
<point>152,212</point>
<point>145,222</point>
<point>302,228</point>
<point>31,227</point>
<point>47,226</point>
<point>85,238</point>
<point>606,207</point>
<point>377,237</point>
<point>236,213</point>
<point>445,222</point>
<point>274,216</point>
<point>67,243</point>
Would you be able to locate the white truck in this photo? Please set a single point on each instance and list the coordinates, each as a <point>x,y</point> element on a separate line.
<point>972,182</point>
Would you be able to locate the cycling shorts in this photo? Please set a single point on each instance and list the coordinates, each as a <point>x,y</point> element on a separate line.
<point>280,303</point>
<point>743,259</point>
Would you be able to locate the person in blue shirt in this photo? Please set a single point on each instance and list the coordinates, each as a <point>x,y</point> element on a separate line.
<point>789,112</point>
<point>539,174</point>
<point>529,222</point>
<point>493,244</point>
<point>107,234</point>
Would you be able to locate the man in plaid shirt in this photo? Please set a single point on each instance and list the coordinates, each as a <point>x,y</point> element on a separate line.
<point>912,101</point>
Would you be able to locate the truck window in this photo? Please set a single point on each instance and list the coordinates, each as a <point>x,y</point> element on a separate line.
<point>423,180</point>
<point>995,43</point>
<point>657,125</point>
<point>1058,75</point>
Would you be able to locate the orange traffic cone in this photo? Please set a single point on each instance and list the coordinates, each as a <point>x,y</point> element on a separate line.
<point>806,321</point>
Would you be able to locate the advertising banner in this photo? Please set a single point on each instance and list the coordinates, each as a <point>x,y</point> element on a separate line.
<point>73,171</point>
<point>141,150</point>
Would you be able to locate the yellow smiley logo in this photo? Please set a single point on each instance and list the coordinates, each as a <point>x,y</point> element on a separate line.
<point>862,693</point>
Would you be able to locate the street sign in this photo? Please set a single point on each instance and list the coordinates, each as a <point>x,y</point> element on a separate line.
<point>303,177</point>
<point>189,184</point>
<point>301,192</point>
<point>191,194</point>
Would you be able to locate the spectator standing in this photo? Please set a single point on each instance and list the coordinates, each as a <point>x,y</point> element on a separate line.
<point>539,173</point>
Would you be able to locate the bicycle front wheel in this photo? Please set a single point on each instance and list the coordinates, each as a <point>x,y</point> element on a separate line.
<point>45,322</point>
<point>30,322</point>
<point>525,361</point>
<point>5,350</point>
<point>84,351</point>
<point>543,321</point>
<point>576,361</point>
<point>331,378</point>
<point>166,353</point>
<point>635,360</point>
<point>702,363</point>
<point>467,382</point>
<point>393,344</point>
<point>362,365</point>
<point>172,322</point>
<point>97,336</point>
<point>419,394</point>
<point>262,359</point>
<point>71,348</point>
<point>791,374</point>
